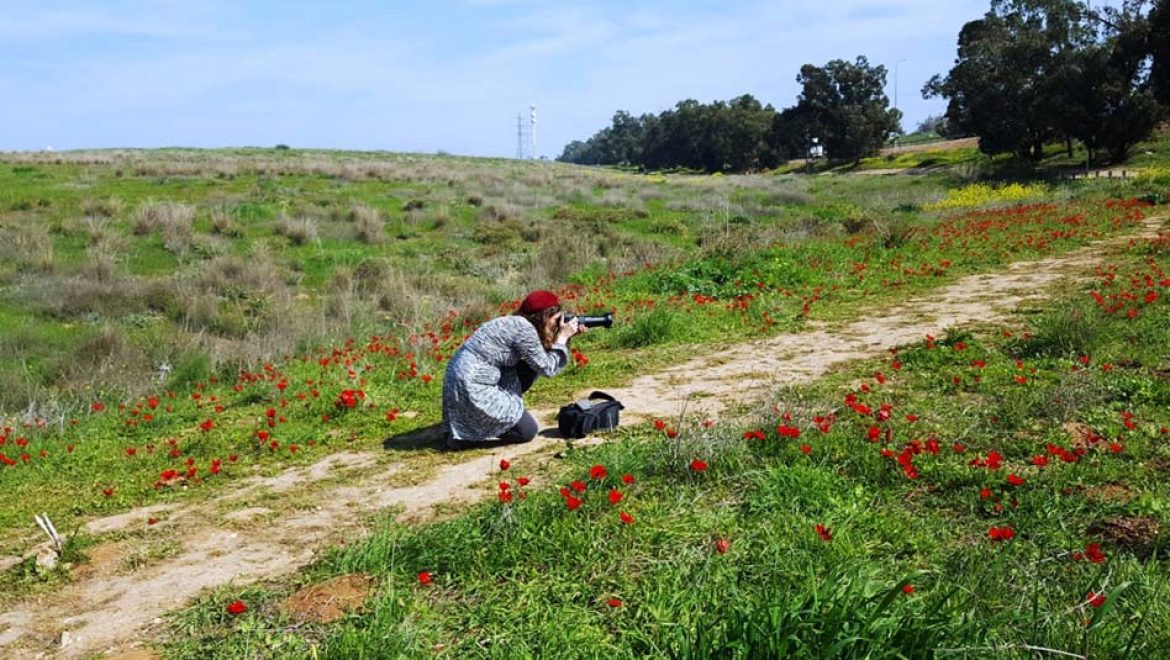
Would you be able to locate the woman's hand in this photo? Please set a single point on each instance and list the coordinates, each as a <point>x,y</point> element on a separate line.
<point>568,328</point>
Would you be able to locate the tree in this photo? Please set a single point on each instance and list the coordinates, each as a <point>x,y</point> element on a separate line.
<point>1159,41</point>
<point>998,88</point>
<point>1031,71</point>
<point>845,104</point>
<point>790,135</point>
<point>718,137</point>
<point>1101,89</point>
<point>932,124</point>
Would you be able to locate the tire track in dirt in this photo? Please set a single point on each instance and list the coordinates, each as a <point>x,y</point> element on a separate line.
<point>231,540</point>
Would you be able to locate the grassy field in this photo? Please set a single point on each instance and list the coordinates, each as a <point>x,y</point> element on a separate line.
<point>305,302</point>
<point>1000,491</point>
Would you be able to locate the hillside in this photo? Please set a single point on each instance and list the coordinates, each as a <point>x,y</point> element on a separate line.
<point>274,283</point>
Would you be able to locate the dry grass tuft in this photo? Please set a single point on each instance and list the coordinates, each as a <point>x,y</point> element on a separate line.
<point>27,246</point>
<point>223,224</point>
<point>298,230</point>
<point>110,207</point>
<point>368,224</point>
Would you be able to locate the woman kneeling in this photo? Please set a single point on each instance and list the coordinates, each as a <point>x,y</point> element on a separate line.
<point>488,374</point>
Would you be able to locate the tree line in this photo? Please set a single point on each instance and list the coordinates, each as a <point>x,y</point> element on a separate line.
<point>1033,72</point>
<point>842,105</point>
<point>1027,74</point>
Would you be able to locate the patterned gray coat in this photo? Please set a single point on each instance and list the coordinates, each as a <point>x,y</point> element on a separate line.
<point>481,388</point>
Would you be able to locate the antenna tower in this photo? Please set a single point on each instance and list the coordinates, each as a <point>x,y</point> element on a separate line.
<point>519,138</point>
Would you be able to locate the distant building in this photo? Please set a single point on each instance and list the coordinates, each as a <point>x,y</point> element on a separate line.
<point>817,150</point>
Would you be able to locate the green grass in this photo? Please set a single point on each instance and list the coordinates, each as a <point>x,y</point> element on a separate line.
<point>685,263</point>
<point>764,256</point>
<point>533,578</point>
<point>928,158</point>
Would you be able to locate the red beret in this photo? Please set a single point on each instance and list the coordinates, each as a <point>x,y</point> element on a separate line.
<point>538,301</point>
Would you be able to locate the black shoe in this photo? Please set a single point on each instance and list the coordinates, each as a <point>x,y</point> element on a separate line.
<point>451,443</point>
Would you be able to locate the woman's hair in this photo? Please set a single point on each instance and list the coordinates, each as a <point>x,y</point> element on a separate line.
<point>539,320</point>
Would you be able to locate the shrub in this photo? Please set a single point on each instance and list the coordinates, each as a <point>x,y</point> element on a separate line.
<point>497,232</point>
<point>171,219</point>
<point>981,194</point>
<point>367,222</point>
<point>714,276</point>
<point>235,276</point>
<point>892,235</point>
<point>299,230</point>
<point>656,327</point>
<point>559,257</point>
<point>109,207</point>
<point>222,224</point>
<point>191,367</point>
<point>1066,329</point>
<point>28,247</point>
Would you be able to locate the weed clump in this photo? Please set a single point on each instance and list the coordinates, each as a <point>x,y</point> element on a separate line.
<point>658,326</point>
<point>367,223</point>
<point>298,231</point>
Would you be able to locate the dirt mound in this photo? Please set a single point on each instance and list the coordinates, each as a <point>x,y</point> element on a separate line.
<point>1137,534</point>
<point>328,601</point>
<point>1115,493</point>
<point>103,559</point>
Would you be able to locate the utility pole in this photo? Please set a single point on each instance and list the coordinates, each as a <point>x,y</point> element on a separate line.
<point>519,138</point>
<point>896,65</point>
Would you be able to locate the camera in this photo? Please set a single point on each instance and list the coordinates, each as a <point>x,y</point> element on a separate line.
<point>603,321</point>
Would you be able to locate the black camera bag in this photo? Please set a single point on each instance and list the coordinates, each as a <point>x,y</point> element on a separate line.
<point>598,412</point>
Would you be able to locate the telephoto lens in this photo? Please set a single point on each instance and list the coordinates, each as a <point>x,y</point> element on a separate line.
<point>603,321</point>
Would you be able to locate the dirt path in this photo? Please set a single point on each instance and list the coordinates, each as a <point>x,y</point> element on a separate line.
<point>256,533</point>
<point>938,145</point>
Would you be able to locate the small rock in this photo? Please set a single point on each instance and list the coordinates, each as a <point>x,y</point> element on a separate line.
<point>47,558</point>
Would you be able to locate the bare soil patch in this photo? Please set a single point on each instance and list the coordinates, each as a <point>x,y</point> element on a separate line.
<point>101,613</point>
<point>328,601</point>
<point>1115,493</point>
<point>1137,534</point>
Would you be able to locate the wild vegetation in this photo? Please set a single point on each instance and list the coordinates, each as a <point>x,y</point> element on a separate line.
<point>294,327</point>
<point>999,490</point>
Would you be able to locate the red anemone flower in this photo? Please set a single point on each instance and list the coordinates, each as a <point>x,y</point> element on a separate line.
<point>237,608</point>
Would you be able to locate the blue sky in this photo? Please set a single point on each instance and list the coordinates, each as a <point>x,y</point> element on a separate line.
<point>426,76</point>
